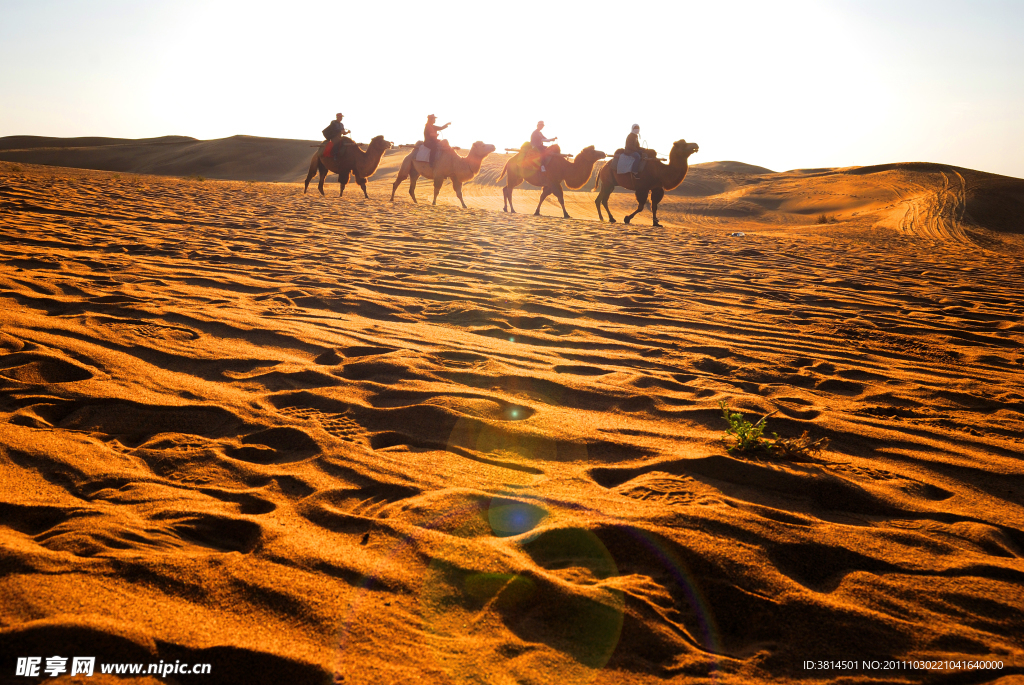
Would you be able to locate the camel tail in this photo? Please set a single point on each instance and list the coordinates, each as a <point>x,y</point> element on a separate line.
<point>503,170</point>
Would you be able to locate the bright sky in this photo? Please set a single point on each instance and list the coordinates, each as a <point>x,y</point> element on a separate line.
<point>779,84</point>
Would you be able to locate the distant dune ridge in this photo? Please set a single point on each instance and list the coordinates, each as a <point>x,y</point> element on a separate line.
<point>240,158</point>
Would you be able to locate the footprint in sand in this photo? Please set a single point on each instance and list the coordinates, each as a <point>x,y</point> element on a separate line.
<point>662,488</point>
<point>340,425</point>
<point>459,359</point>
<point>905,484</point>
<point>153,331</point>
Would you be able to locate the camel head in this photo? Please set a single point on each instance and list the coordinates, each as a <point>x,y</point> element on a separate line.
<point>589,154</point>
<point>683,149</point>
<point>481,149</point>
<point>378,142</point>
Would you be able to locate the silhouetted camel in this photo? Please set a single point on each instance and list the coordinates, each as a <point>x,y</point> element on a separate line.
<point>655,179</point>
<point>449,164</point>
<point>526,166</point>
<point>351,160</point>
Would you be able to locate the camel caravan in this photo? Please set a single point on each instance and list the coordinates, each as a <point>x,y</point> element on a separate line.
<point>632,167</point>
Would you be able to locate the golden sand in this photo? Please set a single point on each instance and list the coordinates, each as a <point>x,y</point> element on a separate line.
<point>310,440</point>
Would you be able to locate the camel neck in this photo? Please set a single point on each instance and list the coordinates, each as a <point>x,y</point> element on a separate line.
<point>577,172</point>
<point>474,161</point>
<point>675,171</point>
<point>370,160</point>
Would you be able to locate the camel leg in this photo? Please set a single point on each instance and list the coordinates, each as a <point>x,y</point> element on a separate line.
<point>611,219</point>
<point>602,199</point>
<point>641,202</point>
<point>656,196</point>
<point>557,191</point>
<point>545,191</point>
<point>398,181</point>
<point>511,184</point>
<point>438,182</point>
<point>362,184</point>
<point>413,177</point>
<point>342,182</point>
<point>312,172</point>
<point>457,187</point>
<point>323,177</point>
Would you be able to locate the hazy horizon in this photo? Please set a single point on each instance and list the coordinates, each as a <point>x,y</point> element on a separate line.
<point>793,85</point>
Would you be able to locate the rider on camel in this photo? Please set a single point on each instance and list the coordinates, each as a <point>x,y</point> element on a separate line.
<point>430,132</point>
<point>333,133</point>
<point>537,140</point>
<point>634,150</point>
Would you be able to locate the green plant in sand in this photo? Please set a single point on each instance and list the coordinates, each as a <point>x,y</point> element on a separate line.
<point>749,438</point>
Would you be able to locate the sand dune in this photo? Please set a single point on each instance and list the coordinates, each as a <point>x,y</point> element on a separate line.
<point>315,440</point>
<point>932,201</point>
<point>239,158</point>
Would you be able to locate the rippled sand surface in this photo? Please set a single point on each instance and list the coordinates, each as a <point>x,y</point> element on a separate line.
<point>308,440</point>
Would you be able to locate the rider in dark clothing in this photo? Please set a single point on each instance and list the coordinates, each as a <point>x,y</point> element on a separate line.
<point>335,129</point>
<point>537,140</point>
<point>430,132</point>
<point>333,133</point>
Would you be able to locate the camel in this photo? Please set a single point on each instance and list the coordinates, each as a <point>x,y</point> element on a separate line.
<point>655,179</point>
<point>352,160</point>
<point>449,164</point>
<point>526,166</point>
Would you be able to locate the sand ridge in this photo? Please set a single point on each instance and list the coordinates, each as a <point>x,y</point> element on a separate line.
<point>315,439</point>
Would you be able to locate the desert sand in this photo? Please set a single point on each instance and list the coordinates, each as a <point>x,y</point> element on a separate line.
<point>313,440</point>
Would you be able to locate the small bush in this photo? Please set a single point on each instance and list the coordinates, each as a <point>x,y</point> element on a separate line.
<point>749,438</point>
<point>823,219</point>
<point>195,177</point>
<point>15,168</point>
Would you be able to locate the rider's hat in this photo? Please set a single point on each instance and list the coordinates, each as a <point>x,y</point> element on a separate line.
<point>431,116</point>
<point>339,115</point>
<point>636,127</point>
<point>540,123</point>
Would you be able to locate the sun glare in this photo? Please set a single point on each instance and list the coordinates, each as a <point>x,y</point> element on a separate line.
<point>783,85</point>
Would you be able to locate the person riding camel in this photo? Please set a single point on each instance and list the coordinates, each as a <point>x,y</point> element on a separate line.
<point>537,140</point>
<point>333,133</point>
<point>634,150</point>
<point>430,132</point>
